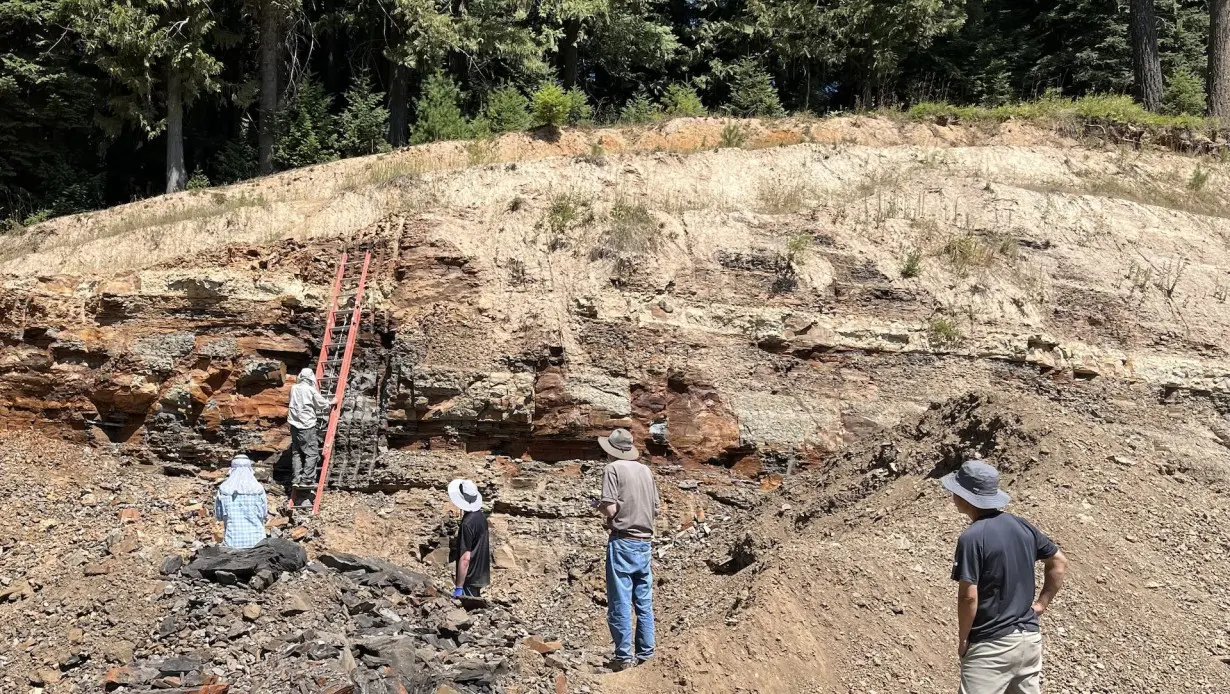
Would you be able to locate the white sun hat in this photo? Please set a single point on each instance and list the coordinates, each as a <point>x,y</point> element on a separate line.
<point>464,495</point>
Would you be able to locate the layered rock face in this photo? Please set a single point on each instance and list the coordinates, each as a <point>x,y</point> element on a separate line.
<point>185,370</point>
<point>758,310</point>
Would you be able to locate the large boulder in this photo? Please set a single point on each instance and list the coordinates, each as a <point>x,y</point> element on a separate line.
<point>378,572</point>
<point>224,564</point>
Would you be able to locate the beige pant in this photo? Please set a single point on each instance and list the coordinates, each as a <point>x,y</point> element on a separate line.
<point>1008,665</point>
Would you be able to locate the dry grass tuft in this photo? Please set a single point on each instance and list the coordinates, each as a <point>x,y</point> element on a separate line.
<point>784,195</point>
<point>630,230</point>
<point>386,170</point>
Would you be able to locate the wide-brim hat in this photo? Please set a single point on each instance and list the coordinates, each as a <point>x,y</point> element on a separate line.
<point>465,495</point>
<point>619,445</point>
<point>977,483</point>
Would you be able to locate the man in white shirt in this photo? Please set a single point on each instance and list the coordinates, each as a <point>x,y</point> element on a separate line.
<point>307,406</point>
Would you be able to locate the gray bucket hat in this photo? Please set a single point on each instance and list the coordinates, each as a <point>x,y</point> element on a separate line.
<point>619,444</point>
<point>977,483</point>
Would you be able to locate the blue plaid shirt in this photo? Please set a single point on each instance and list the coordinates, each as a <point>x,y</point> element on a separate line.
<point>244,516</point>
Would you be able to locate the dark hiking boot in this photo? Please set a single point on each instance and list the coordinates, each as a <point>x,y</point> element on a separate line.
<point>620,665</point>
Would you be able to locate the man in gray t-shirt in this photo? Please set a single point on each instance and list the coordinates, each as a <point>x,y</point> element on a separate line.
<point>999,638</point>
<point>629,504</point>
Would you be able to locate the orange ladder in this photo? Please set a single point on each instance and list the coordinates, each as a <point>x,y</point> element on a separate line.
<point>333,367</point>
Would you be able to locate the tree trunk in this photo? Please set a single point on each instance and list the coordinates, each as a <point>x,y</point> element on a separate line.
<point>568,52</point>
<point>332,80</point>
<point>176,176</point>
<point>458,65</point>
<point>399,107</point>
<point>1146,62</point>
<point>1219,58</point>
<point>269,87</point>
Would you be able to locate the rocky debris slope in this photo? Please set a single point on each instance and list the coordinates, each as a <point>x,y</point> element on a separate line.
<point>842,577</point>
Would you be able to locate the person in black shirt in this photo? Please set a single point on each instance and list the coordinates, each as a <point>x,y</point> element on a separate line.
<point>471,548</point>
<point>999,639</point>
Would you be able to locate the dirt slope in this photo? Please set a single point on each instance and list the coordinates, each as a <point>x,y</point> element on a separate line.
<point>850,589</point>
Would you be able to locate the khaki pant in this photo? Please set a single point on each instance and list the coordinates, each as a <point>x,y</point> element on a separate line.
<point>1008,665</point>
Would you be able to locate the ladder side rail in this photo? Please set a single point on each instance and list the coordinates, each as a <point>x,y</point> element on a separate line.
<point>324,344</point>
<point>343,376</point>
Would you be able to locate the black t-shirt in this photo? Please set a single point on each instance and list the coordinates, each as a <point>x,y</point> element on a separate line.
<point>997,553</point>
<point>472,537</point>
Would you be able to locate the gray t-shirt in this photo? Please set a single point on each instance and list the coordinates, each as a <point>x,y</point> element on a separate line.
<point>629,485</point>
<point>997,553</point>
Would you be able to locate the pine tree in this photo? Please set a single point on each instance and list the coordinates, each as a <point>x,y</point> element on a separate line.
<point>438,111</point>
<point>156,49</point>
<point>364,122</point>
<point>306,132</point>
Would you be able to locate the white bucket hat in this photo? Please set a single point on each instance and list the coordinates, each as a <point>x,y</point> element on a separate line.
<point>464,495</point>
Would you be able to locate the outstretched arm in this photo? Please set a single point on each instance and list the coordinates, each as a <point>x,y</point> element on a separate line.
<point>1056,568</point>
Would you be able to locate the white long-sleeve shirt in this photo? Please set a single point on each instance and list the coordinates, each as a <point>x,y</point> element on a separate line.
<point>306,403</point>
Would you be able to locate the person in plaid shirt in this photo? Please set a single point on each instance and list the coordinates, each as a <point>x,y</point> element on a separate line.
<point>242,506</point>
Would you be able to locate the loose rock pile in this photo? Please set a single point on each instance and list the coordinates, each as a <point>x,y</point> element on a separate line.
<point>267,620</point>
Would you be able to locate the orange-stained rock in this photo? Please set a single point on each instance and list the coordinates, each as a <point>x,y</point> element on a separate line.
<point>126,283</point>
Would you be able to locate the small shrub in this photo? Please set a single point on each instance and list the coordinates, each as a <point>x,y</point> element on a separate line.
<point>566,212</point>
<point>630,231</point>
<point>1139,278</point>
<point>551,106</point>
<point>640,110</point>
<point>944,331</point>
<point>912,267</point>
<point>306,133</point>
<point>507,110</point>
<point>681,101</point>
<point>1198,179</point>
<point>579,110</point>
<point>1007,246</point>
<point>1184,94</point>
<point>198,180</point>
<point>35,218</point>
<point>733,135</point>
<point>798,246</point>
<point>364,121</point>
<point>236,161</point>
<point>752,92</point>
<point>438,112</point>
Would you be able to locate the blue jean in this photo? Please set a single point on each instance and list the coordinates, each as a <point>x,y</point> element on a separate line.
<point>629,586</point>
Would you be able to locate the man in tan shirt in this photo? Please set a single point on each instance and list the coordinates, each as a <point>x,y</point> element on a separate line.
<point>630,504</point>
